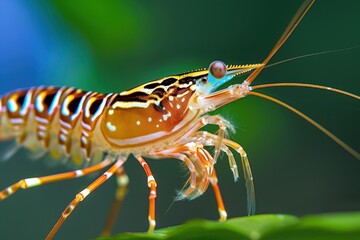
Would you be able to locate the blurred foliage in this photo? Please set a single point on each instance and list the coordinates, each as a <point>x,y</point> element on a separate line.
<point>111,28</point>
<point>336,226</point>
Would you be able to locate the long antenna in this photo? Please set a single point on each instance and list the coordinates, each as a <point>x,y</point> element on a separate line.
<point>304,8</point>
<point>308,119</point>
<point>286,84</point>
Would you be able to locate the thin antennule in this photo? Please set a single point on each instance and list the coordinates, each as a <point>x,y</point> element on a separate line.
<point>304,8</point>
<point>308,119</point>
<point>306,85</point>
<point>306,56</point>
<point>311,55</point>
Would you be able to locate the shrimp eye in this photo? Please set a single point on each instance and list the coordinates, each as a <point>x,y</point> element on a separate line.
<point>217,69</point>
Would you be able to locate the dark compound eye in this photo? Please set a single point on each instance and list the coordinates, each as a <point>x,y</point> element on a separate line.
<point>217,69</point>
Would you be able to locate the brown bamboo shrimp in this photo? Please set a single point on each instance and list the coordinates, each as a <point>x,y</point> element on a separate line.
<point>159,119</point>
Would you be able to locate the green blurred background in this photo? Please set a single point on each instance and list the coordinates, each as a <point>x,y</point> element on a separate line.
<point>115,45</point>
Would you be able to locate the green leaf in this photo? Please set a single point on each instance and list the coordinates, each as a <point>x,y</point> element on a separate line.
<point>344,226</point>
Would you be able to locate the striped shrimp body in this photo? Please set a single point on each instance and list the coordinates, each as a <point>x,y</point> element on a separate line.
<point>52,119</point>
<point>159,119</point>
<point>69,121</point>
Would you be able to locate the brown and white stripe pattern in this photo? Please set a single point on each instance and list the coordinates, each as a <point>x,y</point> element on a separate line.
<point>69,116</point>
<point>53,111</point>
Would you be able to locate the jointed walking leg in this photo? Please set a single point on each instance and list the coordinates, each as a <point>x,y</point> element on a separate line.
<point>152,195</point>
<point>37,181</point>
<point>83,194</point>
<point>218,197</point>
<point>122,181</point>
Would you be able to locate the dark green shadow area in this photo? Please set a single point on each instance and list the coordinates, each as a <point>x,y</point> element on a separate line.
<point>344,226</point>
